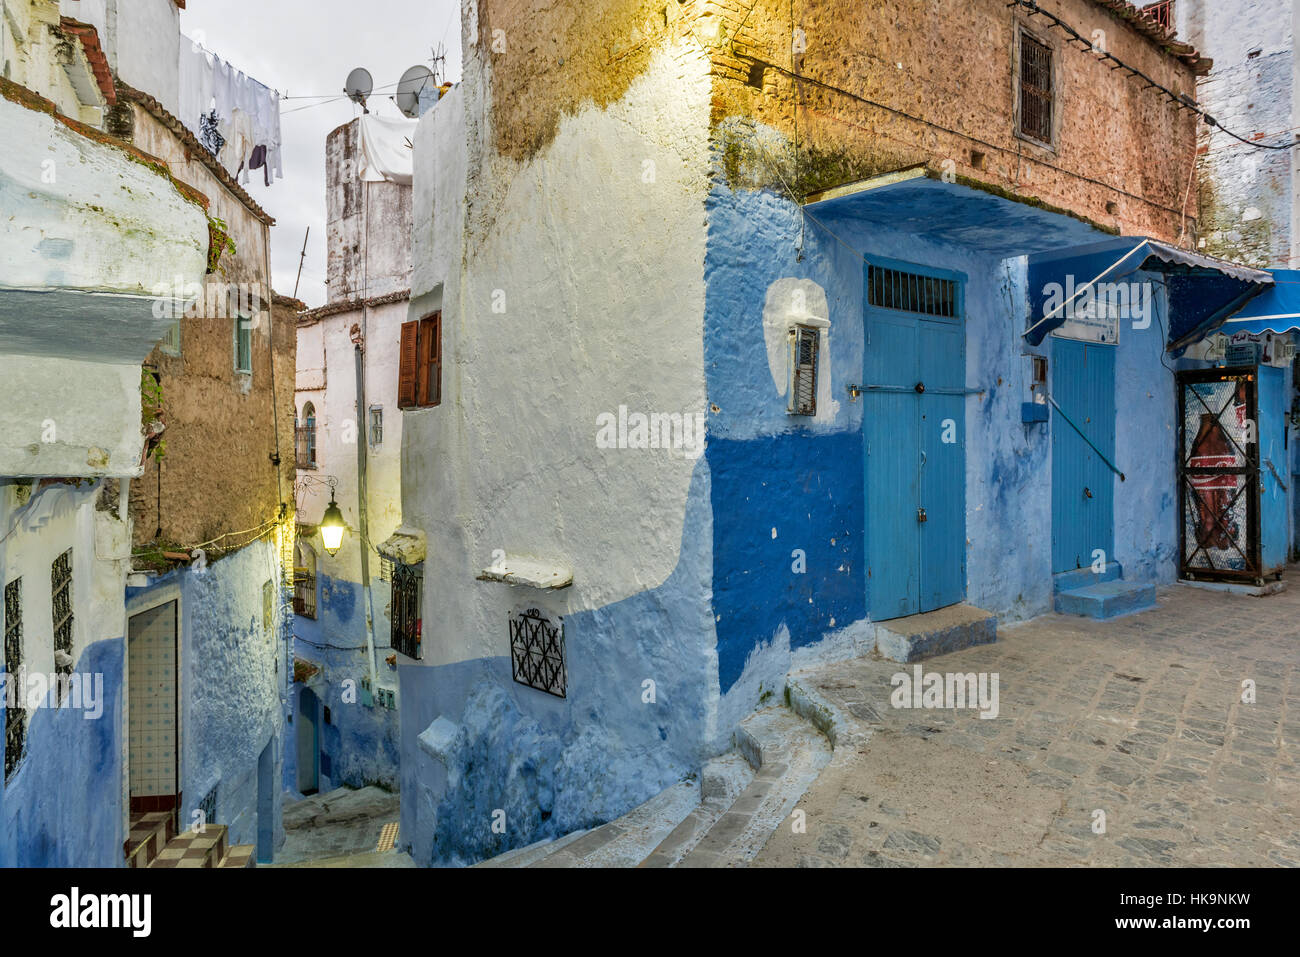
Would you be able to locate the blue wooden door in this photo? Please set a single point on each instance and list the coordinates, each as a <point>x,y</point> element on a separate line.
<point>914,374</point>
<point>1083,485</point>
<point>1271,430</point>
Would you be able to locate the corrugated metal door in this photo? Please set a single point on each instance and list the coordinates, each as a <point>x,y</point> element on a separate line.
<point>1083,486</point>
<point>915,480</point>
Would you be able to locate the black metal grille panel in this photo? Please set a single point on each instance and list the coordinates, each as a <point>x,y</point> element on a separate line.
<point>911,292</point>
<point>61,594</point>
<point>804,393</point>
<point>408,582</point>
<point>16,718</point>
<point>537,652</point>
<point>1035,89</point>
<point>1217,462</point>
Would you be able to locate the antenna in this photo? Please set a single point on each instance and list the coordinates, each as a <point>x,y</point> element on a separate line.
<point>359,86</point>
<point>414,80</point>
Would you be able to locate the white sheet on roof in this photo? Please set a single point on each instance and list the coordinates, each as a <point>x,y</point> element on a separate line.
<point>386,149</point>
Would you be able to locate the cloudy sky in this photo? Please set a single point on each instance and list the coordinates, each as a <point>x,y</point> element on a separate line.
<point>305,49</point>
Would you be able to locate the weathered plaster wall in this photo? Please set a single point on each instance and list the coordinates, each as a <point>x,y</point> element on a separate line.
<point>1249,201</point>
<point>885,85</point>
<point>36,53</point>
<point>216,416</point>
<point>45,825</point>
<point>146,39</point>
<point>368,225</point>
<point>507,460</point>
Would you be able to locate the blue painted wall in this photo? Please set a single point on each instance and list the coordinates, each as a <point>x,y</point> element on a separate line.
<point>556,765</point>
<point>360,744</point>
<point>63,806</point>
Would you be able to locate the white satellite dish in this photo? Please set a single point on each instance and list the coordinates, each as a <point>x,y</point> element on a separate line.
<point>414,80</point>
<point>359,87</point>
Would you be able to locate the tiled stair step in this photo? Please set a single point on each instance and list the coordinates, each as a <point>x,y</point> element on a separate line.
<point>791,753</point>
<point>241,855</point>
<point>1106,599</point>
<point>150,833</point>
<point>194,850</point>
<point>935,633</point>
<point>1083,577</point>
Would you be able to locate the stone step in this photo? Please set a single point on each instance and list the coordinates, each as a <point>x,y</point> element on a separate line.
<point>935,633</point>
<point>791,753</point>
<point>193,849</point>
<point>722,781</point>
<point>1106,599</point>
<point>150,832</point>
<point>1083,577</point>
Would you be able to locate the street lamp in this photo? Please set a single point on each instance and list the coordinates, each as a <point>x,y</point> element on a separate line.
<point>332,526</point>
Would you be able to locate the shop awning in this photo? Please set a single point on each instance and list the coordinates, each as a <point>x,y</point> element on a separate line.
<point>1202,290</point>
<point>1276,309</point>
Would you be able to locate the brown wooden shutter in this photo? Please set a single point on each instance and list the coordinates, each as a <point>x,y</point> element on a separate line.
<point>422,383</point>
<point>435,359</point>
<point>408,366</point>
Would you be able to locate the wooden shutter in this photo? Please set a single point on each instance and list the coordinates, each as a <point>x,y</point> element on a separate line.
<point>408,366</point>
<point>435,359</point>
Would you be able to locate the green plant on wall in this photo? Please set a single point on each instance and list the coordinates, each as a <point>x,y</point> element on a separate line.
<point>151,414</point>
<point>219,243</point>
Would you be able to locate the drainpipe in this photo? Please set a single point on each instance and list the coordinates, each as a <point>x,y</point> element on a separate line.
<point>359,342</point>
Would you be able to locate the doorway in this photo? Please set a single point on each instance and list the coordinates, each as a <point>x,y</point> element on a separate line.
<point>308,742</point>
<point>153,724</point>
<point>1083,484</point>
<point>914,370</point>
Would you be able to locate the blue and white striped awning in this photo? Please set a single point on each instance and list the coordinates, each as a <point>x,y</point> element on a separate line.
<point>1276,309</point>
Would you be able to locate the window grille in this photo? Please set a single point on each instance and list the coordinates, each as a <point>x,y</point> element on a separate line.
<point>1035,89</point>
<point>16,718</point>
<point>911,292</point>
<point>209,807</point>
<point>375,429</point>
<point>537,652</point>
<point>61,594</point>
<point>804,350</point>
<point>408,581</point>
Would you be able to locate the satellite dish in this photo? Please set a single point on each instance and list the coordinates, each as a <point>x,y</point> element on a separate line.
<point>414,80</point>
<point>359,86</point>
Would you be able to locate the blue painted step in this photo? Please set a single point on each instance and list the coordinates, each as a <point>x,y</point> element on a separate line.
<point>1082,577</point>
<point>1106,599</point>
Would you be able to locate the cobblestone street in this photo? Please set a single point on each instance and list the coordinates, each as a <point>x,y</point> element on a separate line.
<point>1139,718</point>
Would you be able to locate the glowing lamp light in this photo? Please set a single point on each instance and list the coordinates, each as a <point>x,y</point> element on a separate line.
<point>332,527</point>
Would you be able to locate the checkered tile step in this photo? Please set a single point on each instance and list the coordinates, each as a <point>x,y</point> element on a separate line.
<point>149,834</point>
<point>192,849</point>
<point>241,855</point>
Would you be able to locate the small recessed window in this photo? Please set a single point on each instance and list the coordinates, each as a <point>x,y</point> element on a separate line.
<point>16,723</point>
<point>1036,89</point>
<point>305,438</point>
<point>804,348</point>
<point>405,615</point>
<point>375,427</point>
<point>243,344</point>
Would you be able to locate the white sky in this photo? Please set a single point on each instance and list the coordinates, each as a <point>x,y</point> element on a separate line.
<point>307,48</point>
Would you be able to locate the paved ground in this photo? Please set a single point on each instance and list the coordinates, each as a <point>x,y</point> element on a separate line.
<point>340,829</point>
<point>1140,718</point>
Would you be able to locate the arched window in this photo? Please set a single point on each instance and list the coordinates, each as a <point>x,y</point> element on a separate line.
<point>304,580</point>
<point>305,437</point>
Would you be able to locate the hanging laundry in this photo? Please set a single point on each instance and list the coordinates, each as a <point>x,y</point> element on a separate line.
<point>210,134</point>
<point>257,160</point>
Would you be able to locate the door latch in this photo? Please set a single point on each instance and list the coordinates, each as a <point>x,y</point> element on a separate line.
<point>921,516</point>
<point>920,387</point>
<point>1087,493</point>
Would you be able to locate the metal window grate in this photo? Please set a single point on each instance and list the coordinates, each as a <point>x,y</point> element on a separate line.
<point>61,594</point>
<point>803,377</point>
<point>537,652</point>
<point>911,292</point>
<point>408,582</point>
<point>16,719</point>
<point>209,807</point>
<point>1035,89</point>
